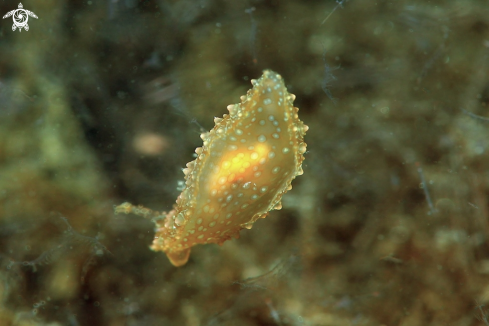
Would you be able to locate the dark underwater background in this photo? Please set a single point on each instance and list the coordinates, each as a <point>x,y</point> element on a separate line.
<point>103,102</point>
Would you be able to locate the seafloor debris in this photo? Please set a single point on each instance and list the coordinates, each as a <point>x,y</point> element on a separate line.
<point>246,164</point>
<point>70,241</point>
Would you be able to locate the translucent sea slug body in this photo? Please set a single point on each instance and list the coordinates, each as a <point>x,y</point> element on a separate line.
<point>247,162</point>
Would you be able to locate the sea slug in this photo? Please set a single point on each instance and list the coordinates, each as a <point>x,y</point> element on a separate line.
<point>246,164</point>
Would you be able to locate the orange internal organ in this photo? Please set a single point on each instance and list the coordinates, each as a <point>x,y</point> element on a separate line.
<point>235,167</point>
<point>247,162</point>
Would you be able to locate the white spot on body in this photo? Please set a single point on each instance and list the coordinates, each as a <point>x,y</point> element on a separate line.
<point>179,219</point>
<point>222,180</point>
